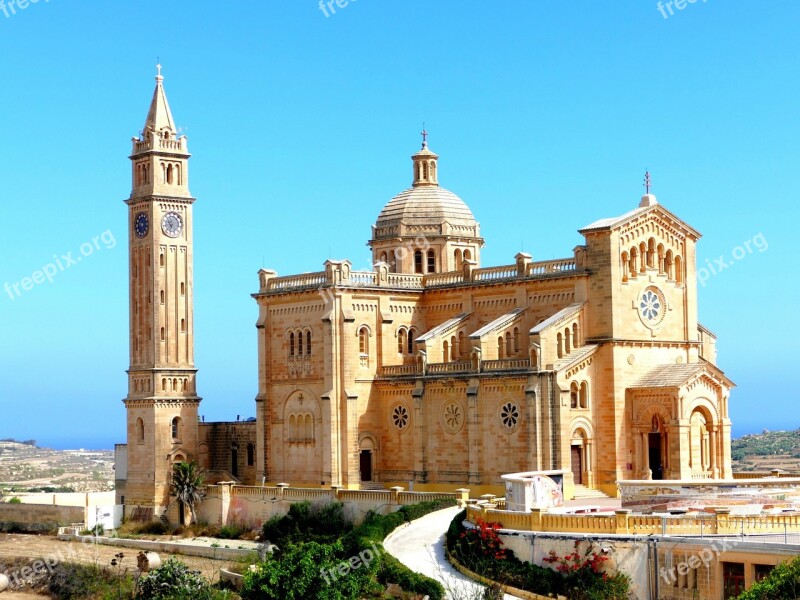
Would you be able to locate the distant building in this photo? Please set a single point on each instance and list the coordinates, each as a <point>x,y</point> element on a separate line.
<point>430,370</point>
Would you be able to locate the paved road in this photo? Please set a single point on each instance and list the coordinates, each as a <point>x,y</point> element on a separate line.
<point>420,546</point>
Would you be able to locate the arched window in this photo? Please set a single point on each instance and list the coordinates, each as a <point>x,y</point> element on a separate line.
<point>458,258</point>
<point>467,255</point>
<point>453,348</point>
<point>462,345</point>
<point>308,343</point>
<point>169,174</point>
<point>668,264</point>
<point>183,325</point>
<point>161,259</point>
<point>567,341</point>
<point>573,395</point>
<point>575,342</point>
<point>651,253</point>
<point>179,177</point>
<point>291,344</point>
<point>678,270</point>
<point>445,351</point>
<point>299,343</point>
<point>162,296</point>
<point>431,261</point>
<point>517,340</point>
<point>176,428</point>
<point>363,341</point>
<point>163,335</point>
<point>401,341</point>
<point>560,345</point>
<point>642,257</point>
<point>433,170</point>
<point>383,257</point>
<point>501,347</point>
<point>164,385</point>
<point>251,455</point>
<point>425,170</point>
<point>183,289</point>
<point>294,434</point>
<point>418,261</point>
<point>584,395</point>
<point>140,430</point>
<point>625,266</point>
<point>634,262</point>
<point>308,428</point>
<point>412,336</point>
<point>509,344</point>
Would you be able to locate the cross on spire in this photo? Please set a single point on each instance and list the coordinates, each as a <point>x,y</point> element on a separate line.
<point>424,137</point>
<point>648,182</point>
<point>158,68</point>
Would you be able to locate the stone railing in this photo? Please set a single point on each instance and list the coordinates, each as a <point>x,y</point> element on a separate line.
<point>493,273</point>
<point>451,367</point>
<point>363,278</point>
<point>405,280</point>
<point>512,364</point>
<point>549,267</point>
<point>398,370</point>
<point>296,282</point>
<point>624,522</point>
<point>443,279</point>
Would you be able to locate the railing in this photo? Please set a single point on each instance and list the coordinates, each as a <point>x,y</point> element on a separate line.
<point>493,273</point>
<point>442,279</point>
<point>398,370</point>
<point>404,280</point>
<point>365,278</point>
<point>700,475</point>
<point>549,267</point>
<point>514,364</point>
<point>451,367</point>
<point>296,282</point>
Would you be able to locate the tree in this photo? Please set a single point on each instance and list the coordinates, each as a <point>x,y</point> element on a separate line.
<point>187,487</point>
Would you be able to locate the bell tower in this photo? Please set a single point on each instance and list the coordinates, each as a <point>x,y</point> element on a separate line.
<point>162,402</point>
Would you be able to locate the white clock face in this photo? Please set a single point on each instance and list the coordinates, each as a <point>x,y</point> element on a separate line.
<point>172,224</point>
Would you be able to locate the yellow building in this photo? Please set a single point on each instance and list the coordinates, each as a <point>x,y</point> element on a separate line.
<point>430,370</point>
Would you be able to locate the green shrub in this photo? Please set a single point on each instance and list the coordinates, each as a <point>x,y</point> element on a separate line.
<point>413,512</point>
<point>393,571</point>
<point>151,528</point>
<point>308,522</point>
<point>231,532</point>
<point>173,580</point>
<point>783,583</point>
<point>15,500</point>
<point>78,581</point>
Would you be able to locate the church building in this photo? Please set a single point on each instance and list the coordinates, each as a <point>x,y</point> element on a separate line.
<point>429,371</point>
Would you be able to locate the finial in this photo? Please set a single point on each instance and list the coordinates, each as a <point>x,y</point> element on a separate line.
<point>159,77</point>
<point>424,137</point>
<point>648,182</point>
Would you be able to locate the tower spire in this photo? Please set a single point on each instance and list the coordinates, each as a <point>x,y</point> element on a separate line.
<point>159,117</point>
<point>648,199</point>
<point>425,164</point>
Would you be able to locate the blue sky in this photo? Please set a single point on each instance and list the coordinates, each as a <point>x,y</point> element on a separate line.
<point>545,115</point>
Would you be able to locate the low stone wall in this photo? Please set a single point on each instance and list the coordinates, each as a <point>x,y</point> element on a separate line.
<point>164,547</point>
<point>37,518</point>
<point>769,492</point>
<point>251,507</point>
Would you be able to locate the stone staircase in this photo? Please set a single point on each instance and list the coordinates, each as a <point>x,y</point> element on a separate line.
<point>584,493</point>
<point>371,486</point>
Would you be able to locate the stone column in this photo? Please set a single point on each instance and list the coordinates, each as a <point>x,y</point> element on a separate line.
<point>473,433</point>
<point>712,442</point>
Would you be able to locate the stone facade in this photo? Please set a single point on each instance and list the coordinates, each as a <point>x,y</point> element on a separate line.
<point>429,371</point>
<point>432,371</point>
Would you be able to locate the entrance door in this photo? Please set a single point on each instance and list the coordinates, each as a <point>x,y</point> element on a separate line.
<point>235,462</point>
<point>577,464</point>
<point>366,465</point>
<point>656,468</point>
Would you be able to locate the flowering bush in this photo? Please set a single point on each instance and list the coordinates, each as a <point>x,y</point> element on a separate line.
<point>575,563</point>
<point>485,540</point>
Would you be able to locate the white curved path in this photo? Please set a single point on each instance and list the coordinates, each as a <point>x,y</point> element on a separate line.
<point>420,547</point>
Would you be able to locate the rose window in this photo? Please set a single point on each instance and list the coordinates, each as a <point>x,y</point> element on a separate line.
<point>652,307</point>
<point>509,415</point>
<point>452,417</point>
<point>400,417</point>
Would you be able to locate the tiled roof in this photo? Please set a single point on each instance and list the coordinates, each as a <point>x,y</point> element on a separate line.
<point>668,376</point>
<point>498,322</point>
<point>425,205</point>
<point>562,314</point>
<point>442,327</point>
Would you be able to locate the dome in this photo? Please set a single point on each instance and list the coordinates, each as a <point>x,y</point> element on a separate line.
<point>426,208</point>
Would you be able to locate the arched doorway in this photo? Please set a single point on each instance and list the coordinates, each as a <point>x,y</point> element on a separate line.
<point>366,459</point>
<point>655,450</point>
<point>581,455</point>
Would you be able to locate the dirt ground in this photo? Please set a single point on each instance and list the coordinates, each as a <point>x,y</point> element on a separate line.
<point>34,547</point>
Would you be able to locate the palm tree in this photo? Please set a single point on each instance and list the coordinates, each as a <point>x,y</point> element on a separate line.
<point>187,486</point>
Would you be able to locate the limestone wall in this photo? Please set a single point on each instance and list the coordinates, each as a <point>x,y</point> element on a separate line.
<point>38,517</point>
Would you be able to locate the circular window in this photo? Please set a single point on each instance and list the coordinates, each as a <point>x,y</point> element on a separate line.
<point>400,417</point>
<point>509,416</point>
<point>452,417</point>
<point>652,306</point>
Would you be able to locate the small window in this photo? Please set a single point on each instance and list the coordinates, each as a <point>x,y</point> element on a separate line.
<point>418,261</point>
<point>162,296</point>
<point>183,289</point>
<point>183,325</point>
<point>291,344</point>
<point>431,261</point>
<point>299,343</point>
<point>363,340</point>
<point>573,395</point>
<point>308,343</point>
<point>163,335</point>
<point>140,430</point>
<point>412,334</point>
<point>401,341</point>
<point>251,455</point>
<point>176,428</point>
